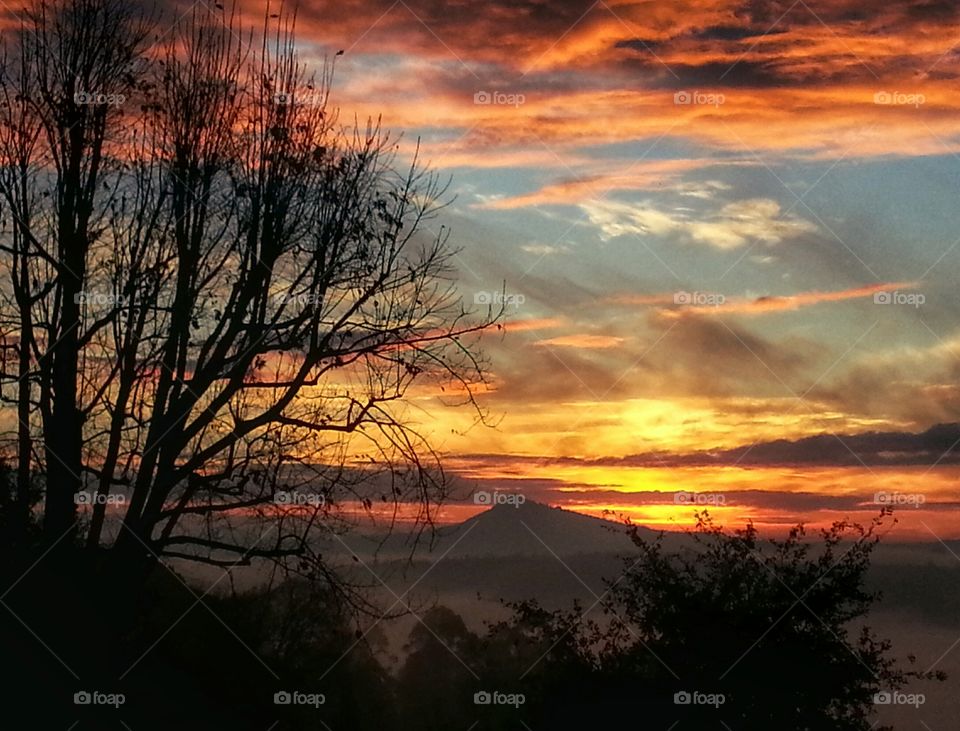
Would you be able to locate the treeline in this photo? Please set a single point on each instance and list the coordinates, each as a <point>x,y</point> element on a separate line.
<point>751,633</point>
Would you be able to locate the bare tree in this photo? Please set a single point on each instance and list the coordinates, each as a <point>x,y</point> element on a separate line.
<point>239,296</point>
<point>59,178</point>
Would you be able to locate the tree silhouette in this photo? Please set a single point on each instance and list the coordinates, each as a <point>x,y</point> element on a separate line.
<point>731,629</point>
<point>216,294</point>
<point>775,626</point>
<point>436,683</point>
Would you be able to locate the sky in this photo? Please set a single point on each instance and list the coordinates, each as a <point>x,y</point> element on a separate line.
<point>725,234</point>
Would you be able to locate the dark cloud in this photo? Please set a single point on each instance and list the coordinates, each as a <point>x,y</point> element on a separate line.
<point>932,9</point>
<point>711,357</point>
<point>773,14</point>
<point>919,390</point>
<point>472,31</point>
<point>658,74</point>
<point>639,44</point>
<point>776,16</point>
<point>745,74</point>
<point>732,33</point>
<point>940,444</point>
<point>532,374</point>
<point>762,499</point>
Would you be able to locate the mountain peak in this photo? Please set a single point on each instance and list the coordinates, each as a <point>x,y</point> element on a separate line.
<point>526,507</point>
<point>532,528</point>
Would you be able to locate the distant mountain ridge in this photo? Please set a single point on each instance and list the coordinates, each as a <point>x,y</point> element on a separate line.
<point>532,529</point>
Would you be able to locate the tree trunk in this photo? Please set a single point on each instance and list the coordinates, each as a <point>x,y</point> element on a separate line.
<point>24,438</point>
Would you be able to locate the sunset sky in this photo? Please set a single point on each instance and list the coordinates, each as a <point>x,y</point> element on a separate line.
<point>717,224</point>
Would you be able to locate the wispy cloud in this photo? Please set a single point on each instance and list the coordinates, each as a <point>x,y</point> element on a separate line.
<point>757,220</point>
<point>582,340</point>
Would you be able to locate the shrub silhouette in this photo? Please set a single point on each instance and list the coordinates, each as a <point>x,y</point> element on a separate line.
<point>730,629</point>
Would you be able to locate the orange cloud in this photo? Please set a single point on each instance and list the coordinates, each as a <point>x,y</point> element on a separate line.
<point>542,323</point>
<point>645,175</point>
<point>789,83</point>
<point>582,340</point>
<point>684,304</point>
